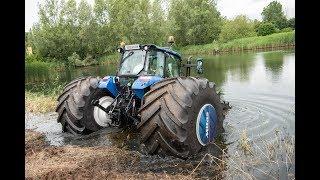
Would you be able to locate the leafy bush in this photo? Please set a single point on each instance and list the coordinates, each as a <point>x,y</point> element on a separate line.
<point>74,59</point>
<point>288,29</point>
<point>240,27</point>
<point>33,58</point>
<point>89,60</point>
<point>266,29</point>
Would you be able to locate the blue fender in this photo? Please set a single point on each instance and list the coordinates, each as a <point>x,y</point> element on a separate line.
<point>139,85</point>
<point>108,83</point>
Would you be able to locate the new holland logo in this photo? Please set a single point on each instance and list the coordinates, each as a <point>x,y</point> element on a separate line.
<point>207,124</point>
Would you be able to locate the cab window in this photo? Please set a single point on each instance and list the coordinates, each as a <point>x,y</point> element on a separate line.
<point>155,63</point>
<point>172,68</point>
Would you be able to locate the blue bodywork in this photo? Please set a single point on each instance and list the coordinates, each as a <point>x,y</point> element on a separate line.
<point>142,83</point>
<point>108,83</point>
<point>138,86</point>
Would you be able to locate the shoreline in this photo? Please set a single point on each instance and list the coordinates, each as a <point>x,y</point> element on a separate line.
<point>265,48</point>
<point>276,41</point>
<point>249,44</point>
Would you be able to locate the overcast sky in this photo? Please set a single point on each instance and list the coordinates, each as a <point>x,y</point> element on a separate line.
<point>228,8</point>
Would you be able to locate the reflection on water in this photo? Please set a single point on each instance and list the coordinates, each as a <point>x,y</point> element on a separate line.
<point>273,65</point>
<point>261,90</point>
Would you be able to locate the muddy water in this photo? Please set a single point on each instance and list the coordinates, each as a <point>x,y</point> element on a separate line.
<point>259,129</point>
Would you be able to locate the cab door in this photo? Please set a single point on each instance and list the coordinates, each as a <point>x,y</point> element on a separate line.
<point>172,66</point>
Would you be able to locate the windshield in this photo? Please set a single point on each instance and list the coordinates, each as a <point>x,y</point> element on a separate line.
<point>133,62</point>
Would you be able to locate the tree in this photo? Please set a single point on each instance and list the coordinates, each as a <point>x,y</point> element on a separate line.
<point>256,24</point>
<point>194,21</point>
<point>273,13</point>
<point>65,27</point>
<point>55,36</point>
<point>291,23</point>
<point>240,27</point>
<point>178,21</point>
<point>45,32</point>
<point>85,33</point>
<point>140,32</point>
<point>28,39</point>
<point>158,23</point>
<point>100,10</point>
<point>266,29</point>
<point>121,19</point>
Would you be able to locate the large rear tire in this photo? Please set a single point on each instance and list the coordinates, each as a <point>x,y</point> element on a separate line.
<point>170,113</point>
<point>74,108</point>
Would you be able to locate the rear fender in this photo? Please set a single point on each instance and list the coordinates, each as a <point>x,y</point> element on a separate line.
<point>140,85</point>
<point>108,83</point>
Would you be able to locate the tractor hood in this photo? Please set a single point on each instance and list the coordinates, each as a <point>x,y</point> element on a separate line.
<point>108,83</point>
<point>140,85</point>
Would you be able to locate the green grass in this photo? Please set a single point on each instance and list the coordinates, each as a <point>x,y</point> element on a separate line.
<point>277,39</point>
<point>42,97</point>
<point>251,42</point>
<point>40,102</point>
<point>38,71</point>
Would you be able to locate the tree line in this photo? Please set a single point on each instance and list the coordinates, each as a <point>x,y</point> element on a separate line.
<point>67,29</point>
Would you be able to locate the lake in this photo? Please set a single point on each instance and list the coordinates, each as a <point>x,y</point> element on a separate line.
<point>259,128</point>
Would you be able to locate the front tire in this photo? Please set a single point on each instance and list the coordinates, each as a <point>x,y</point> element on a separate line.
<point>169,116</point>
<point>75,112</point>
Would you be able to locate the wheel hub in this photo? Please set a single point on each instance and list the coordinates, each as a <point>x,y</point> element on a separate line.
<point>206,122</point>
<point>102,118</point>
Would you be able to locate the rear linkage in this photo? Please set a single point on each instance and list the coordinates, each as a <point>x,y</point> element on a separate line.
<point>122,109</point>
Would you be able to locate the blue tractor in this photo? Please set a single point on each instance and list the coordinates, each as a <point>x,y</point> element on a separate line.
<point>175,114</point>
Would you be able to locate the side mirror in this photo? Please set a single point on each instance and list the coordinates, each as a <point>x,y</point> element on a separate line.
<point>199,66</point>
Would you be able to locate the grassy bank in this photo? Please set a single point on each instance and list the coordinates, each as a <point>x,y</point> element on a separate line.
<point>270,42</point>
<point>40,102</point>
<point>38,67</point>
<point>38,71</point>
<point>41,97</point>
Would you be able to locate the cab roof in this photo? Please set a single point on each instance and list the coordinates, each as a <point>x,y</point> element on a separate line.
<point>164,49</point>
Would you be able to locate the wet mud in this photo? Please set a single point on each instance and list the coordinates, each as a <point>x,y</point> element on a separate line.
<point>108,153</point>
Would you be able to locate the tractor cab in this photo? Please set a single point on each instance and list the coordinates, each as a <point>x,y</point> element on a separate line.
<point>148,60</point>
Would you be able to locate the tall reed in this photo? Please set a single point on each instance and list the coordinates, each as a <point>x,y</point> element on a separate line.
<point>249,43</point>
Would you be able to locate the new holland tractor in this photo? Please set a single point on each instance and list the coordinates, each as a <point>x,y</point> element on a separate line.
<point>174,113</point>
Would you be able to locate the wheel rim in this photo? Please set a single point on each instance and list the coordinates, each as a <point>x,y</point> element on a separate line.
<point>205,126</point>
<point>101,117</point>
